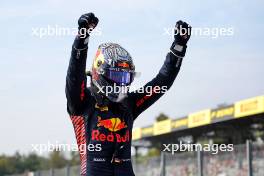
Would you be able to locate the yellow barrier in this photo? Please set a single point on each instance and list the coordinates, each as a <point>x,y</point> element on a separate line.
<point>242,108</point>
<point>136,133</point>
<point>199,118</point>
<point>147,131</point>
<point>249,107</point>
<point>162,127</point>
<point>223,112</point>
<point>179,123</point>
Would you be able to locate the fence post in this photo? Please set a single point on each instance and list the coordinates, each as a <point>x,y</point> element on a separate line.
<point>200,162</point>
<point>162,164</point>
<point>51,172</point>
<point>135,158</point>
<point>37,173</point>
<point>68,168</point>
<point>249,158</point>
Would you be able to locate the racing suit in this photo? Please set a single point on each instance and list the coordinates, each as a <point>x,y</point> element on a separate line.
<point>104,133</point>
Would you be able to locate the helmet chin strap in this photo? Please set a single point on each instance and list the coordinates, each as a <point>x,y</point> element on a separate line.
<point>101,100</point>
<point>120,97</point>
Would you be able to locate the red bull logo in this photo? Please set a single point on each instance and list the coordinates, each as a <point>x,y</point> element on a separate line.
<point>113,124</point>
<point>112,137</point>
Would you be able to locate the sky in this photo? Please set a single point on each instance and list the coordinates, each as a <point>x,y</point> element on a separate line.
<point>33,68</point>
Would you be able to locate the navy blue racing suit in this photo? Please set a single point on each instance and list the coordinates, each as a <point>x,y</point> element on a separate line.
<point>104,133</point>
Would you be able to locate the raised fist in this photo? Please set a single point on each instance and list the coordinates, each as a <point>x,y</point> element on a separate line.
<point>182,33</point>
<point>87,23</point>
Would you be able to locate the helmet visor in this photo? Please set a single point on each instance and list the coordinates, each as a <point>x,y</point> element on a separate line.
<point>119,77</point>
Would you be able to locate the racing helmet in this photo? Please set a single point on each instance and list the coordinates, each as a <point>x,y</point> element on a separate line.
<point>112,71</point>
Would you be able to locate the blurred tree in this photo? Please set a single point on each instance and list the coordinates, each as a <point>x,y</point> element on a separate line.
<point>21,163</point>
<point>32,162</point>
<point>57,159</point>
<point>161,117</point>
<point>17,162</point>
<point>75,158</point>
<point>3,165</point>
<point>153,152</point>
<point>7,165</point>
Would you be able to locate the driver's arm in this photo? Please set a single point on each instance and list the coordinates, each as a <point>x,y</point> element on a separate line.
<point>76,91</point>
<point>166,76</point>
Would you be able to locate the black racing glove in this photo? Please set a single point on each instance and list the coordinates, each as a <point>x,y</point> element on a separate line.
<point>182,33</point>
<point>86,23</point>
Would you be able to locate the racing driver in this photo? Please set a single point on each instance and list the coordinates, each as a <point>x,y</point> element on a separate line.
<point>103,119</point>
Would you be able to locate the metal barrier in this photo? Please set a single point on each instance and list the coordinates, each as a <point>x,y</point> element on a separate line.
<point>245,160</point>
<point>67,171</point>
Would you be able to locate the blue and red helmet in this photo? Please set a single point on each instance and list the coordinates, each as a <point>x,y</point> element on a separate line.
<point>112,66</point>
